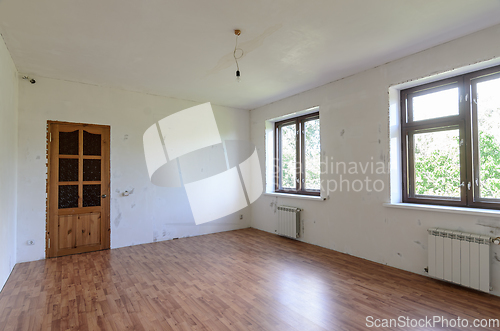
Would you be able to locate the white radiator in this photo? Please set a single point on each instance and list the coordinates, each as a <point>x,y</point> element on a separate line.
<point>459,257</point>
<point>289,221</point>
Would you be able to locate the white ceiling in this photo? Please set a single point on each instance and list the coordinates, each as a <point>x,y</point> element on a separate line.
<point>184,48</point>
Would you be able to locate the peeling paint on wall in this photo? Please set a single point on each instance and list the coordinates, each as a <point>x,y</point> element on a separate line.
<point>117,220</point>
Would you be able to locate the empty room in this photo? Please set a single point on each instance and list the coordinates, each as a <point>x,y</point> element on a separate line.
<point>250,165</point>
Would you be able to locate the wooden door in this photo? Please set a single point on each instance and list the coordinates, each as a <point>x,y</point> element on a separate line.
<point>77,188</point>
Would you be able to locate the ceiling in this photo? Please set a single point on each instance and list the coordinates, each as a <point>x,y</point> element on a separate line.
<point>184,49</point>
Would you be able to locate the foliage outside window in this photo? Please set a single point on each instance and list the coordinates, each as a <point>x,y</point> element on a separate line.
<point>297,155</point>
<point>451,141</point>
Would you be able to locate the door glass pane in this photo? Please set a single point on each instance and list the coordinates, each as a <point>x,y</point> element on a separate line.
<point>488,124</point>
<point>91,195</point>
<point>92,170</point>
<point>68,196</point>
<point>68,170</point>
<point>436,104</point>
<point>91,143</point>
<point>68,143</point>
<point>437,163</point>
<point>288,156</point>
<point>312,155</point>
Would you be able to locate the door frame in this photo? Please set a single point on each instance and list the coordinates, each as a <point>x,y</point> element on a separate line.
<point>52,192</point>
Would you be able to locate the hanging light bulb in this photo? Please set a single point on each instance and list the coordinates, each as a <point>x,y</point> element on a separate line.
<point>236,58</point>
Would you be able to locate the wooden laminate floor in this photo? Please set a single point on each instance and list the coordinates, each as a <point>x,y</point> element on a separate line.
<point>238,280</point>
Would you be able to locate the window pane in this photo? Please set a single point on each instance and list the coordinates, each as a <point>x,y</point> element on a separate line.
<point>68,170</point>
<point>437,104</point>
<point>488,123</point>
<point>288,156</point>
<point>91,170</point>
<point>91,143</point>
<point>91,195</point>
<point>437,163</point>
<point>312,154</point>
<point>68,143</point>
<point>68,196</point>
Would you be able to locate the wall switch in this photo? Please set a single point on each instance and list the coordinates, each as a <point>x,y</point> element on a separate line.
<point>241,217</point>
<point>31,242</point>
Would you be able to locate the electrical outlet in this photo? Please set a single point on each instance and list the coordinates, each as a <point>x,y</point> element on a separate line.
<point>241,216</point>
<point>31,242</point>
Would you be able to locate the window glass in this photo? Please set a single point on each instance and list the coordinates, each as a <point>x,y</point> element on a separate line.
<point>312,155</point>
<point>68,196</point>
<point>68,170</point>
<point>91,195</point>
<point>437,163</point>
<point>437,104</point>
<point>91,169</point>
<point>91,143</point>
<point>488,124</point>
<point>288,156</point>
<point>68,143</point>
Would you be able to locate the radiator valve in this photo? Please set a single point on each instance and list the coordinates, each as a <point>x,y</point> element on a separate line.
<point>496,241</point>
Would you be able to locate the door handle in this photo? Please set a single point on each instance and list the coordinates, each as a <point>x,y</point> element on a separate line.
<point>103,196</point>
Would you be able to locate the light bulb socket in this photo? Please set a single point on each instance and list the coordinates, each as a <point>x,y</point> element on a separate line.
<point>238,73</point>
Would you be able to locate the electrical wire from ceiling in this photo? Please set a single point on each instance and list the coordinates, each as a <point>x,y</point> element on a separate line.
<point>237,57</point>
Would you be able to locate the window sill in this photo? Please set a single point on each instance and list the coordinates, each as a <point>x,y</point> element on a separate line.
<point>445,209</point>
<point>295,196</point>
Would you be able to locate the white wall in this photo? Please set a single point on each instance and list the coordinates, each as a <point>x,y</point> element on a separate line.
<point>8,162</point>
<point>149,213</point>
<point>354,115</point>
